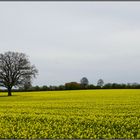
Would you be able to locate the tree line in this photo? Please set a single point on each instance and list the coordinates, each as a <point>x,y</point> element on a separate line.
<point>16,71</point>
<point>82,85</point>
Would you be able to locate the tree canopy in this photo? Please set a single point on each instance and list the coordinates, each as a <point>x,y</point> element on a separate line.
<point>15,70</point>
<point>84,81</point>
<point>100,83</point>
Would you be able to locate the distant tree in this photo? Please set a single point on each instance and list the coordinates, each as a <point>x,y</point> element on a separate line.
<point>72,86</point>
<point>53,87</point>
<point>115,86</point>
<point>61,87</point>
<point>15,70</point>
<point>100,83</point>
<point>26,84</point>
<point>123,86</point>
<point>44,88</point>
<point>84,82</point>
<point>91,86</point>
<point>107,86</point>
<point>36,88</point>
<point>135,85</point>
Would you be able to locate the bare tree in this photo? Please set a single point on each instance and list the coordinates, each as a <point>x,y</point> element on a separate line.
<point>84,82</point>
<point>100,83</point>
<point>15,70</point>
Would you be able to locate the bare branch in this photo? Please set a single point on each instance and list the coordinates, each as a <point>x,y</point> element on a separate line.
<point>15,69</point>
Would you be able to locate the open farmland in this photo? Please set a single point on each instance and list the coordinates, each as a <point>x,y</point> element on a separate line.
<point>71,114</point>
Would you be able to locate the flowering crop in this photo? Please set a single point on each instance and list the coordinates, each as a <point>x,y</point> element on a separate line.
<point>92,114</point>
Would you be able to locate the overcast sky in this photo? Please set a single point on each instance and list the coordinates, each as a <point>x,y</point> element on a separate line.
<point>70,40</point>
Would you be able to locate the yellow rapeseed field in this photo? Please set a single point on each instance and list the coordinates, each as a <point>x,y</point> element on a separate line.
<point>71,114</point>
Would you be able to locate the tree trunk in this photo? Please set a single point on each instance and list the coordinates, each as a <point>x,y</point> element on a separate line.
<point>9,91</point>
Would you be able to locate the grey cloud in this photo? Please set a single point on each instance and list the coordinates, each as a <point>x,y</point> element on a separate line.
<point>69,40</point>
